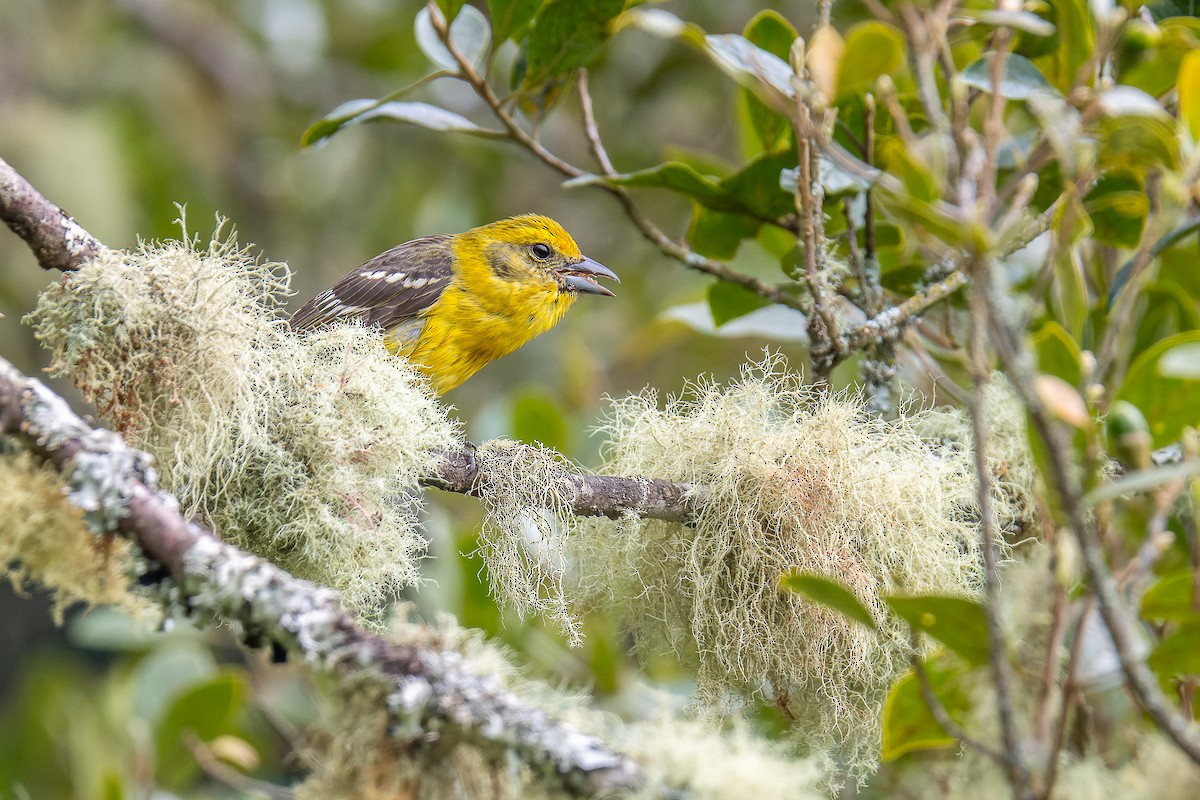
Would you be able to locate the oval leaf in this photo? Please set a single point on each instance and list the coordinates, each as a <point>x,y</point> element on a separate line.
<point>828,593</point>
<point>470,32</point>
<point>766,73</point>
<point>1020,81</point>
<point>1169,403</point>
<point>872,49</point>
<point>908,724</point>
<point>956,622</point>
<point>1172,598</point>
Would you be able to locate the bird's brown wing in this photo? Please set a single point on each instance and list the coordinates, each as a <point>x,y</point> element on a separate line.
<point>392,288</point>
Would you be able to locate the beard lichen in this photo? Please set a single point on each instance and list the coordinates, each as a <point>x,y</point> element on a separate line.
<point>305,449</point>
<point>359,751</point>
<point>526,527</point>
<point>794,480</point>
<point>44,540</point>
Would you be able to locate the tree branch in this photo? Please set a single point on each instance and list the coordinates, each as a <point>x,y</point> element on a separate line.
<point>590,495</point>
<point>427,689</point>
<point>57,240</point>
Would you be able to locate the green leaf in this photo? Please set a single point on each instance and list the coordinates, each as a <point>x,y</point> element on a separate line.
<point>422,115</point>
<point>1118,206</point>
<point>511,18</point>
<point>729,301</point>
<point>1024,21</point>
<point>956,622</point>
<point>828,593</point>
<point>872,49</point>
<point>895,157</point>
<point>1135,143</point>
<point>567,35</point>
<point>756,186</point>
<point>1170,403</point>
<point>908,724</point>
<point>450,8</point>
<point>205,711</point>
<point>673,175</point>
<point>768,75</point>
<point>1020,81</point>
<point>470,32</point>
<point>770,31</point>
<point>1076,41</point>
<point>536,417</point>
<point>1171,598</point>
<point>1177,653</point>
<point>1058,353</point>
<point>718,234</point>
<point>1188,86</point>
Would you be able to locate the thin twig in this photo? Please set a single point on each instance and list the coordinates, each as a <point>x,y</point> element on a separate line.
<point>942,717</point>
<point>665,244</point>
<point>1061,476</point>
<point>1018,774</point>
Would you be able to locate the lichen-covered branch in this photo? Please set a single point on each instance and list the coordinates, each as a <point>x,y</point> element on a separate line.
<point>56,239</point>
<point>427,690</point>
<point>587,495</point>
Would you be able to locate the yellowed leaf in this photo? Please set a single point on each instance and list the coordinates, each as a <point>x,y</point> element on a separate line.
<point>1063,401</point>
<point>823,59</point>
<point>1188,86</point>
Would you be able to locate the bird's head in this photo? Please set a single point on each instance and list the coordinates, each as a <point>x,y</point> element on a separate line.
<point>532,250</point>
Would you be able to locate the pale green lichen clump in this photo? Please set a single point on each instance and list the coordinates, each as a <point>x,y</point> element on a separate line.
<point>793,481</point>
<point>305,449</point>
<point>359,751</point>
<point>44,540</point>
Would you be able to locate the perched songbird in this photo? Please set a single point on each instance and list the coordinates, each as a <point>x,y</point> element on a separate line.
<point>451,304</point>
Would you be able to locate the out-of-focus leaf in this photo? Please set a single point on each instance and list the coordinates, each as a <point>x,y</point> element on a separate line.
<point>1024,21</point>
<point>450,8</point>
<point>770,31</point>
<point>956,622</point>
<point>872,49</point>
<point>1058,353</point>
<point>1143,480</point>
<point>756,186</point>
<point>1136,143</point>
<point>908,724</point>
<point>567,35</point>
<point>1126,100</point>
<point>470,32</point>
<point>1068,292</point>
<point>823,59</point>
<point>766,73</point>
<point>537,418</point>
<point>425,116</point>
<point>1062,400</point>
<point>718,234</point>
<point>1076,41</point>
<point>1171,598</point>
<point>1177,654</point>
<point>1166,242</point>
<point>204,711</point>
<point>728,301</point>
<point>1020,81</point>
<point>1169,403</point>
<point>828,593</point>
<point>934,223</point>
<point>1117,206</point>
<point>896,158</point>
<point>1181,361</point>
<point>673,175</point>
<point>1188,86</point>
<point>511,18</point>
<point>772,322</point>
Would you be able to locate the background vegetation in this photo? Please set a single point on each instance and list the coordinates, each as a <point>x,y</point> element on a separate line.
<point>118,112</point>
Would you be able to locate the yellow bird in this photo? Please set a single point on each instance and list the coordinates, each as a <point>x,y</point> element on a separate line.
<point>451,304</point>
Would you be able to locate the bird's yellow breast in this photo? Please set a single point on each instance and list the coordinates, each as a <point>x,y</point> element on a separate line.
<point>466,329</point>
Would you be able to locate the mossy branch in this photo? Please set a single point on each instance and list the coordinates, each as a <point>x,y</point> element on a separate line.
<point>427,690</point>
<point>587,495</point>
<point>56,239</point>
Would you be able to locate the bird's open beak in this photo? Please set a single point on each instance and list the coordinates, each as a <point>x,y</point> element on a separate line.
<point>581,277</point>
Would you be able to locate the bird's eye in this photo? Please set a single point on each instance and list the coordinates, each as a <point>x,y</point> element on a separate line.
<point>541,251</point>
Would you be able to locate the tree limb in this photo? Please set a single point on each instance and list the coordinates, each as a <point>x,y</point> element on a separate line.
<point>426,689</point>
<point>56,239</point>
